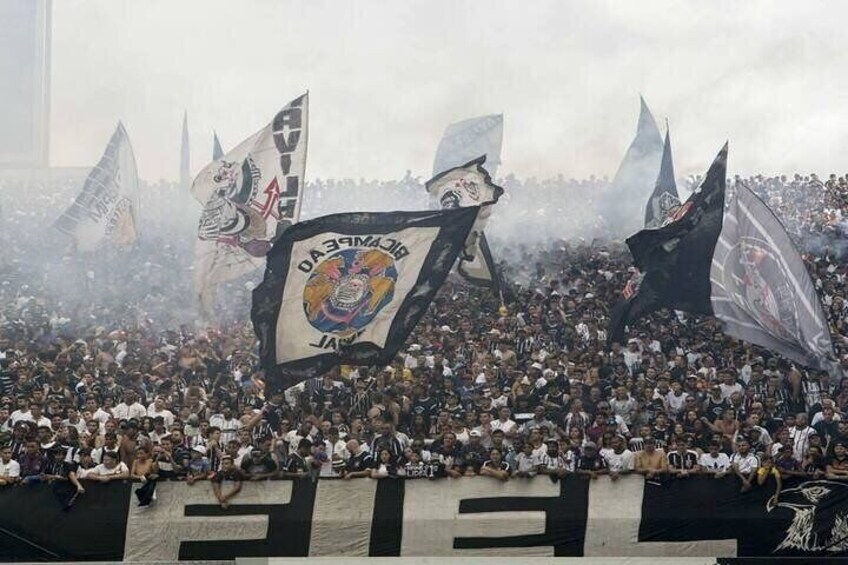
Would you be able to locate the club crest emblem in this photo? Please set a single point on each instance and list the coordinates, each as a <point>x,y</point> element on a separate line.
<point>461,190</point>
<point>348,289</point>
<point>669,206</point>
<point>748,268</point>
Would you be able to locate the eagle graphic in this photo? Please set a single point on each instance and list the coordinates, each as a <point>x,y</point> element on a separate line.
<point>375,263</point>
<point>820,517</point>
<point>320,286</point>
<point>355,289</point>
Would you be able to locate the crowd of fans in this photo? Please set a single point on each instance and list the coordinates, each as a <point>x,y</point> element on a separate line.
<point>107,376</point>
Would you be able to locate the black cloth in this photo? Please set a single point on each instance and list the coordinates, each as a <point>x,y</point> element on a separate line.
<point>145,492</point>
<point>676,258</point>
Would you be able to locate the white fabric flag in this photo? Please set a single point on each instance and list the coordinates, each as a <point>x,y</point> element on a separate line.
<point>464,186</point>
<point>107,205</point>
<point>249,197</point>
<point>465,140</point>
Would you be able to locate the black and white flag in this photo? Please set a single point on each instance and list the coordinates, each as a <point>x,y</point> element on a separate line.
<point>465,140</point>
<point>107,205</point>
<point>664,201</point>
<point>673,261</point>
<point>761,289</point>
<point>249,196</point>
<point>349,288</point>
<point>470,185</point>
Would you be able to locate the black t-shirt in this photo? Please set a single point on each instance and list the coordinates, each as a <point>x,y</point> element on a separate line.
<point>420,470</point>
<point>265,464</point>
<point>686,461</point>
<point>502,466</point>
<point>660,434</point>
<point>715,409</point>
<point>359,462</point>
<point>273,415</point>
<point>60,468</point>
<point>327,398</point>
<point>595,463</point>
<point>297,464</point>
<point>473,456</point>
<point>427,407</point>
<point>233,474</point>
<point>165,463</point>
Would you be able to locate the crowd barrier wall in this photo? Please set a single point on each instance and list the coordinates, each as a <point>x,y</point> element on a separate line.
<point>481,516</point>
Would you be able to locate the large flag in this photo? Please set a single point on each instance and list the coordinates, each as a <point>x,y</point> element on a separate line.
<point>217,152</point>
<point>107,205</point>
<point>463,186</point>
<point>185,157</point>
<point>249,197</point>
<point>349,288</point>
<point>664,201</point>
<point>636,174</point>
<point>467,140</point>
<point>761,289</point>
<point>674,261</point>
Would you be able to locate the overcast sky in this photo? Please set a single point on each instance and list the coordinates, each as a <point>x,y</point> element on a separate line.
<point>386,76</point>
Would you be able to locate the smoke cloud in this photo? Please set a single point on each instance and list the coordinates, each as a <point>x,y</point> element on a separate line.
<point>386,77</point>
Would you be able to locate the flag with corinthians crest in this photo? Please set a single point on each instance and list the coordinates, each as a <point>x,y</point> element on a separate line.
<point>349,288</point>
<point>470,185</point>
<point>249,197</point>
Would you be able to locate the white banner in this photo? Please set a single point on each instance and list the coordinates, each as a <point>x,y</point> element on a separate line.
<point>108,202</point>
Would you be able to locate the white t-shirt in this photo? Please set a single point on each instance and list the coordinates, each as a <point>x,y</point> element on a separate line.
<point>229,428</point>
<point>801,441</point>
<point>128,412</point>
<point>102,471</point>
<point>101,416</point>
<point>10,470</point>
<point>623,461</point>
<point>339,449</point>
<point>166,414</point>
<point>745,464</point>
<point>526,463</point>
<point>719,463</point>
<point>675,403</point>
<point>506,427</point>
<point>728,389</point>
<point>18,416</point>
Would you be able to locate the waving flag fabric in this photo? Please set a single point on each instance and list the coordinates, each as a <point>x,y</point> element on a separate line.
<point>349,288</point>
<point>249,196</point>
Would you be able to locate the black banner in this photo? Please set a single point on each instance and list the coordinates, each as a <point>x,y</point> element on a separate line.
<point>810,517</point>
<point>35,527</point>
